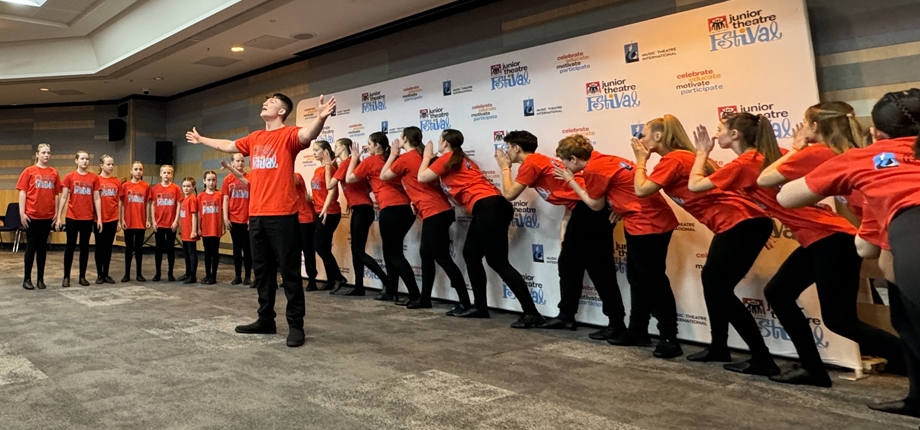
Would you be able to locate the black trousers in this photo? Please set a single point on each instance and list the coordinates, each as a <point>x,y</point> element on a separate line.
<point>904,237</point>
<point>211,255</point>
<point>905,318</point>
<point>323,245</point>
<point>134,244</point>
<point>362,216</point>
<point>36,244</point>
<point>104,240</point>
<point>649,286</point>
<point>488,237</point>
<point>588,245</point>
<point>395,222</point>
<point>731,255</point>
<point>274,248</point>
<point>190,249</point>
<point>166,243</point>
<point>435,248</point>
<point>242,253</point>
<point>82,229</point>
<point>833,265</point>
<point>307,236</point>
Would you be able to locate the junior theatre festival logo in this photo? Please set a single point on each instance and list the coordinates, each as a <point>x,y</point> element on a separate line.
<point>742,29</point>
<point>615,94</point>
<point>507,75</point>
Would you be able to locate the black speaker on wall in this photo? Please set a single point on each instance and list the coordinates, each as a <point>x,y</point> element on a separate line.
<point>117,129</point>
<point>164,152</point>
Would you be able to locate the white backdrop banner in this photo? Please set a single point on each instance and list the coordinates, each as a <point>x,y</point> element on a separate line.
<point>744,55</point>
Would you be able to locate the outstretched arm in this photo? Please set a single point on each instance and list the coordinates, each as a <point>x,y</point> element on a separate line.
<point>222,145</point>
<point>796,194</point>
<point>312,131</point>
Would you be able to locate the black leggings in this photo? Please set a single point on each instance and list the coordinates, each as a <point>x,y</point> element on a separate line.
<point>166,242</point>
<point>104,240</point>
<point>649,286</point>
<point>242,257</point>
<point>36,243</point>
<point>362,216</point>
<point>307,236</point>
<point>190,249</point>
<point>904,237</point>
<point>211,256</point>
<point>435,247</point>
<point>588,246</point>
<point>134,244</point>
<point>83,229</point>
<point>395,223</point>
<point>833,265</point>
<point>323,245</point>
<point>488,237</point>
<point>731,255</point>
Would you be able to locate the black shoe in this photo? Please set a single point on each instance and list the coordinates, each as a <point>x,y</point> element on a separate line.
<point>709,354</point>
<point>605,333</point>
<point>100,280</point>
<point>109,280</point>
<point>628,338</point>
<point>258,327</point>
<point>65,283</point>
<point>207,281</point>
<point>189,280</point>
<point>803,377</point>
<point>529,321</point>
<point>667,348</point>
<point>472,312</point>
<point>156,278</point>
<point>126,278</point>
<point>899,407</point>
<point>27,284</point>
<point>246,281</point>
<point>311,286</point>
<point>456,309</point>
<point>83,282</point>
<point>558,324</point>
<point>183,277</point>
<point>383,296</point>
<point>400,301</point>
<point>418,304</point>
<point>328,286</point>
<point>295,337</point>
<point>140,278</point>
<point>356,291</point>
<point>337,286</point>
<point>236,281</point>
<point>170,278</point>
<point>762,367</point>
<point>41,284</point>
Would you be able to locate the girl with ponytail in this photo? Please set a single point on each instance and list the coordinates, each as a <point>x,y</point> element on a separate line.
<point>827,256</point>
<point>741,230</point>
<point>326,204</point>
<point>110,196</point>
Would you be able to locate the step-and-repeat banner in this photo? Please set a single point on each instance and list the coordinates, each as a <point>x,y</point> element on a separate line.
<point>743,56</point>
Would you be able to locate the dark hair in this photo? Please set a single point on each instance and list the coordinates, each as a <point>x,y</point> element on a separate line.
<point>897,114</point>
<point>523,139</point>
<point>576,146</point>
<point>757,133</point>
<point>837,125</point>
<point>288,104</point>
<point>413,135</point>
<point>454,138</point>
<point>346,142</point>
<point>194,184</point>
<point>324,145</point>
<point>380,138</point>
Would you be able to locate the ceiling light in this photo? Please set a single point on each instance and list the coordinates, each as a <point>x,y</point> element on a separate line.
<point>36,3</point>
<point>158,78</point>
<point>237,49</point>
<point>44,89</point>
<point>302,36</point>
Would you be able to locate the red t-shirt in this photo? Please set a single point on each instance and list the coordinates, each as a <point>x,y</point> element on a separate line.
<point>165,202</point>
<point>80,205</point>
<point>188,210</point>
<point>271,160</point>
<point>304,208</point>
<point>428,198</point>
<point>319,191</point>
<point>110,193</point>
<point>806,160</point>
<point>387,193</point>
<point>210,217</point>
<point>870,227</point>
<point>134,198</point>
<point>537,171</point>
<point>886,173</point>
<point>356,194</point>
<point>809,224</point>
<point>40,185</point>
<point>611,177</point>
<point>716,209</point>
<point>466,185</point>
<point>237,194</point>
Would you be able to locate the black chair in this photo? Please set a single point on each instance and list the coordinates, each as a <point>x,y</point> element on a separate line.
<point>11,223</point>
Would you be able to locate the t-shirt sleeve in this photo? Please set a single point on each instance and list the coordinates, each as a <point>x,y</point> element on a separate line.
<point>193,206</point>
<point>362,170</point>
<point>437,167</point>
<point>730,177</point>
<point>24,178</point>
<point>666,171</point>
<point>67,182</point>
<point>178,192</point>
<point>400,167</point>
<point>596,185</point>
<point>243,144</point>
<point>832,178</point>
<point>804,161</point>
<point>528,174</point>
<point>97,183</point>
<point>57,182</point>
<point>225,187</point>
<point>293,140</point>
<point>340,173</point>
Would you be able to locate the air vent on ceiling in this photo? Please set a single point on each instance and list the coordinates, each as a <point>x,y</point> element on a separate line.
<point>68,92</point>
<point>302,36</point>
<point>217,61</point>
<point>268,42</point>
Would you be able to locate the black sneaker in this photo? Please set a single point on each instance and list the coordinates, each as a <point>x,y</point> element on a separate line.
<point>418,304</point>
<point>40,284</point>
<point>605,333</point>
<point>140,278</point>
<point>356,291</point>
<point>100,280</point>
<point>709,354</point>
<point>456,309</point>
<point>763,367</point>
<point>472,312</point>
<point>126,278</point>
<point>156,278</point>
<point>528,321</point>
<point>27,284</point>
<point>558,324</point>
<point>804,377</point>
<point>190,280</point>
<point>337,286</point>
<point>628,338</point>
<point>83,282</point>
<point>109,280</point>
<point>183,278</point>
<point>383,296</point>
<point>667,348</point>
<point>170,278</point>
<point>295,337</point>
<point>247,281</point>
<point>311,286</point>
<point>236,281</point>
<point>258,327</point>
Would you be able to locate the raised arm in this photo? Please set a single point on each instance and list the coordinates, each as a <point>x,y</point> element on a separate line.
<point>350,177</point>
<point>698,182</point>
<point>425,174</point>
<point>386,174</point>
<point>771,177</point>
<point>312,131</point>
<point>643,186</point>
<point>510,189</point>
<point>223,145</point>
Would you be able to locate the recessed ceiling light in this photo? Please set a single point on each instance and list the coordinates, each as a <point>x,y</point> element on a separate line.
<point>44,89</point>
<point>302,36</point>
<point>36,3</point>
<point>237,49</point>
<point>158,78</point>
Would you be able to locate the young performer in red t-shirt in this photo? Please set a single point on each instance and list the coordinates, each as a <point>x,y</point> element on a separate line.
<point>886,173</point>
<point>827,256</point>
<point>307,219</point>
<point>212,227</point>
<point>134,219</point>
<point>39,203</point>
<point>648,224</point>
<point>236,219</point>
<point>273,208</point>
<point>741,230</point>
<point>110,196</point>
<point>326,204</point>
<point>396,217</point>
<point>487,236</point>
<point>358,197</point>
<point>436,214</point>
<point>188,225</point>
<point>83,211</point>
<point>165,201</point>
